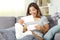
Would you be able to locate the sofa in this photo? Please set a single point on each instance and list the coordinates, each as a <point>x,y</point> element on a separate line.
<point>7,28</point>
<point>7,31</point>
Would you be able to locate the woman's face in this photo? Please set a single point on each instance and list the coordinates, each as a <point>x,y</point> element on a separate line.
<point>33,11</point>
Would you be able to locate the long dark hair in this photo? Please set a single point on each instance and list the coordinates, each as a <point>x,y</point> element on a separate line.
<point>39,14</point>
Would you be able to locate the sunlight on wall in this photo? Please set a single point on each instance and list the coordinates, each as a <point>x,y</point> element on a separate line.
<point>12,8</point>
<point>28,2</point>
<point>54,7</point>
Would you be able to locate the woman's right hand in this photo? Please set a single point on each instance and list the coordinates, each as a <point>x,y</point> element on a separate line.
<point>20,21</point>
<point>24,28</point>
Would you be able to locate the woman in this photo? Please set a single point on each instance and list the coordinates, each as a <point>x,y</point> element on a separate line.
<point>42,26</point>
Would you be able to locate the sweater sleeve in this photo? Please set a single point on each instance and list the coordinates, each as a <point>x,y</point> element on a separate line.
<point>45,20</point>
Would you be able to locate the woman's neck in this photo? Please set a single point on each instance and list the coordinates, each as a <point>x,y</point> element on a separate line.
<point>35,17</point>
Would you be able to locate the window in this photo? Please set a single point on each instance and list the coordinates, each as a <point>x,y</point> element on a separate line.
<point>43,4</point>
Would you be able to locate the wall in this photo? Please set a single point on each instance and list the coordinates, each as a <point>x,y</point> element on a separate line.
<point>28,2</point>
<point>12,7</point>
<point>54,7</point>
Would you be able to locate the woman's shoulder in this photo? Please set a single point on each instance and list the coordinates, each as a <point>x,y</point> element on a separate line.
<point>43,17</point>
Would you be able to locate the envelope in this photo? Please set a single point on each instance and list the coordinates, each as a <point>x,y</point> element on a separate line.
<point>28,18</point>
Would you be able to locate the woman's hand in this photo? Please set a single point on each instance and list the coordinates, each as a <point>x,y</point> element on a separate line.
<point>44,29</point>
<point>20,21</point>
<point>38,27</point>
<point>24,28</point>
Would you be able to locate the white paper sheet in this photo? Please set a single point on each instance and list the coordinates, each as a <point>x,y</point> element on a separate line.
<point>27,18</point>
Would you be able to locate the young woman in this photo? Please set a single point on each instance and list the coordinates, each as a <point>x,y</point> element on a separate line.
<point>42,26</point>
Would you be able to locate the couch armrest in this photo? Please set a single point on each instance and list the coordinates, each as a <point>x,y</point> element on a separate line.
<point>7,34</point>
<point>11,29</point>
<point>1,37</point>
<point>57,36</point>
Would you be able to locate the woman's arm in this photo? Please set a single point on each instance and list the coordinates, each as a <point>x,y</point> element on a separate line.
<point>24,28</point>
<point>43,29</point>
<point>45,24</point>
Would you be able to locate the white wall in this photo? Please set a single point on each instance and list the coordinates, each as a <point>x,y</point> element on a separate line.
<point>27,2</point>
<point>54,7</point>
<point>12,7</point>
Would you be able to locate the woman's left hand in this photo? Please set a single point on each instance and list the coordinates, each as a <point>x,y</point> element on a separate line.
<point>38,27</point>
<point>24,28</point>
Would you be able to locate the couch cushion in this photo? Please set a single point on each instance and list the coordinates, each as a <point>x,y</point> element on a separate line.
<point>57,36</point>
<point>51,21</point>
<point>27,37</point>
<point>6,22</point>
<point>7,34</point>
<point>1,37</point>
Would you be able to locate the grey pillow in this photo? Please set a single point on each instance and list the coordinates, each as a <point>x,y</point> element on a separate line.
<point>1,37</point>
<point>7,35</point>
<point>6,22</point>
<point>57,36</point>
<point>51,21</point>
